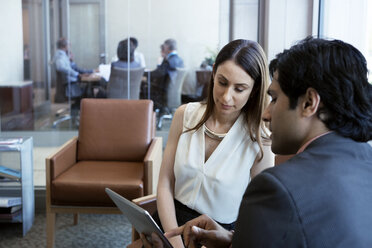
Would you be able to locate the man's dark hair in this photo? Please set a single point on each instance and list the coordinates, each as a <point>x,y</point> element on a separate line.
<point>62,43</point>
<point>122,50</point>
<point>134,42</point>
<point>338,72</point>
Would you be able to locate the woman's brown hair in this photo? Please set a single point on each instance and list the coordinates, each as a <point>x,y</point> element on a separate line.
<point>251,58</point>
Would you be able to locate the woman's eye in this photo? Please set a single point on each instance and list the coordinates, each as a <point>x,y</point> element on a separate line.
<point>239,89</point>
<point>222,83</point>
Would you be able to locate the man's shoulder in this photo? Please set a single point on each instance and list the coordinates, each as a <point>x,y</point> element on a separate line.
<point>325,160</point>
<point>60,54</point>
<point>175,57</point>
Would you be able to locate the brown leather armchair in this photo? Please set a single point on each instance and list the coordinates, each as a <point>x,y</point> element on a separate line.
<point>116,148</point>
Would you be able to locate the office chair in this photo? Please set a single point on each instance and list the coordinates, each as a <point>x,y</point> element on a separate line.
<point>172,96</point>
<point>70,93</point>
<point>203,78</point>
<point>117,86</point>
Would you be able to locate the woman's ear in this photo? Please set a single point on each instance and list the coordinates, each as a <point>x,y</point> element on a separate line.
<point>310,102</point>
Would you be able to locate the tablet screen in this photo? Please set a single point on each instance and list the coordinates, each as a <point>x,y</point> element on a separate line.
<point>140,218</point>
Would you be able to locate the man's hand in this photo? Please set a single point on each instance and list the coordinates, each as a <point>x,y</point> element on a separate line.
<point>155,241</point>
<point>202,230</point>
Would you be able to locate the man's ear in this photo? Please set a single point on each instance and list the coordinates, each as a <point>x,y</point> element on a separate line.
<point>310,103</point>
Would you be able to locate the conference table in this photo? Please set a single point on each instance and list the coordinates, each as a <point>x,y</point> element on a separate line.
<point>93,77</point>
<point>91,80</point>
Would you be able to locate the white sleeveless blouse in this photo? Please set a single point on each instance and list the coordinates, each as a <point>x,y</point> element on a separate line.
<point>215,187</point>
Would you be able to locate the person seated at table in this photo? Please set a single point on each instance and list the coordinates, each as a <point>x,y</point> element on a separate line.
<point>138,56</point>
<point>62,62</point>
<point>162,55</point>
<point>164,71</point>
<point>122,53</point>
<point>78,69</point>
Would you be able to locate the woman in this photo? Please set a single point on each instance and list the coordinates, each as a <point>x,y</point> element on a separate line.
<point>122,52</point>
<point>215,148</point>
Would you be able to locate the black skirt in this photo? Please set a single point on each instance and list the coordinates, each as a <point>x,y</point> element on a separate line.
<point>184,214</point>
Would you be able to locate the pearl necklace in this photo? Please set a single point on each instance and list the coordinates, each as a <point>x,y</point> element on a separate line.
<point>213,135</point>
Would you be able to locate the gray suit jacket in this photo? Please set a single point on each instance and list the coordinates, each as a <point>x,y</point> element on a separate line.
<point>321,197</point>
<point>168,68</point>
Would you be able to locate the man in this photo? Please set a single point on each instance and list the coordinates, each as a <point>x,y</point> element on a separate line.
<point>75,67</point>
<point>321,109</point>
<point>63,65</point>
<point>165,71</point>
<point>171,61</point>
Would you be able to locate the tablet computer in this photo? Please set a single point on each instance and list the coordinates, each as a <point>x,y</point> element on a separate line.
<point>140,218</point>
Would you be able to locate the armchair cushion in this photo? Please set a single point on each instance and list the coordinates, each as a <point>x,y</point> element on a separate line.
<point>84,183</point>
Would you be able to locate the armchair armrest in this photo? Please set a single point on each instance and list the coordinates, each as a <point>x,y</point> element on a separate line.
<point>147,202</point>
<point>62,159</point>
<point>152,162</point>
<point>59,162</point>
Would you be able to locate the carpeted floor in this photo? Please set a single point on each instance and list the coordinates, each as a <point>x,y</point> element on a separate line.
<point>92,231</point>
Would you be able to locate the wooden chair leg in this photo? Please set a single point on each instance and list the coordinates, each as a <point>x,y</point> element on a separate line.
<point>76,219</point>
<point>50,227</point>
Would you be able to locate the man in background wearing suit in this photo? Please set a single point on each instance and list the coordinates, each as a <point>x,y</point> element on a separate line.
<point>321,109</point>
<point>165,71</point>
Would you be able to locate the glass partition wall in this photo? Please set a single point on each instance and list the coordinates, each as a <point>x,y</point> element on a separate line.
<point>93,30</point>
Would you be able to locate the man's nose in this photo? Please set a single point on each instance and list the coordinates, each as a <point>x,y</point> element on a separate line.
<point>266,115</point>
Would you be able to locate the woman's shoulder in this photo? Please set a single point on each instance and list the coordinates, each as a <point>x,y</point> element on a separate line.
<point>192,106</point>
<point>120,64</point>
<point>117,63</point>
<point>193,113</point>
<point>134,64</point>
